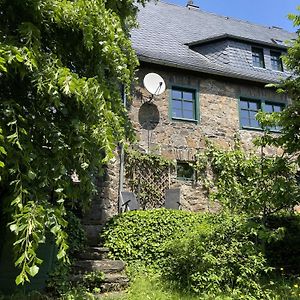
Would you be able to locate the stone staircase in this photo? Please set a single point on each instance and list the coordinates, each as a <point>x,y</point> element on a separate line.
<point>95,258</point>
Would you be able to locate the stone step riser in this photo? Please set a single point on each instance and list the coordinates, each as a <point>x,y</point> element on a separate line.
<point>113,287</point>
<point>94,253</point>
<point>105,266</point>
<point>92,234</point>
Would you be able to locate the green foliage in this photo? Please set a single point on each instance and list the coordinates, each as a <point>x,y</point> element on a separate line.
<point>220,256</point>
<point>62,64</point>
<point>245,182</point>
<point>143,235</point>
<point>289,119</point>
<point>155,165</point>
<point>76,234</point>
<point>93,280</point>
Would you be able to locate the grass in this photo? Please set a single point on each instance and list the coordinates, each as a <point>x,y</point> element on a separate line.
<point>149,287</point>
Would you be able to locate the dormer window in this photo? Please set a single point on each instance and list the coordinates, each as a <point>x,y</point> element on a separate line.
<point>258,57</point>
<point>276,61</point>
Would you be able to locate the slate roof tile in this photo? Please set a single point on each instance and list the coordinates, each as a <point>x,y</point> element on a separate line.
<point>165,29</point>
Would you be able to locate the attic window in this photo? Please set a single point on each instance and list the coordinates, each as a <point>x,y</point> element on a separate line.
<point>279,42</point>
<point>258,57</point>
<point>276,61</point>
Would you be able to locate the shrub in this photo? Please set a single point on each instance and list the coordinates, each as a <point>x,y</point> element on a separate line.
<point>142,235</point>
<point>220,256</point>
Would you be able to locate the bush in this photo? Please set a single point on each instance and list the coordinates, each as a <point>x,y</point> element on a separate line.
<point>142,235</point>
<point>220,256</point>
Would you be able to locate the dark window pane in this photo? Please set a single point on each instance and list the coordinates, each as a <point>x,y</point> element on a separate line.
<point>244,104</point>
<point>176,104</point>
<point>187,105</point>
<point>245,122</point>
<point>188,114</point>
<point>177,113</point>
<point>254,123</point>
<point>176,94</point>
<point>252,115</point>
<point>268,108</point>
<point>245,114</point>
<point>254,105</point>
<point>188,95</point>
<point>278,108</point>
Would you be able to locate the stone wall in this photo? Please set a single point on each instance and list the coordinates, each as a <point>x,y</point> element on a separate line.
<point>179,140</point>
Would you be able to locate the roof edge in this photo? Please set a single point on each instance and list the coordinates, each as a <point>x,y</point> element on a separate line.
<point>171,64</point>
<point>234,37</point>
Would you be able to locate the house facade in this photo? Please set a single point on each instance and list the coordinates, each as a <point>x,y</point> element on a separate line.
<point>215,69</point>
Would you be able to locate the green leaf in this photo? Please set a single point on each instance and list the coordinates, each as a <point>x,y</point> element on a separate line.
<point>20,279</point>
<point>31,175</point>
<point>2,150</point>
<point>61,254</point>
<point>33,270</point>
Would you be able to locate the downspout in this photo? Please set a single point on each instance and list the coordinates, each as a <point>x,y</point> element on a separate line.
<point>121,166</point>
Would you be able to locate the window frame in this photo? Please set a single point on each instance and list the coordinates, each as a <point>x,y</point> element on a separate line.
<point>278,60</point>
<point>260,52</point>
<point>195,102</point>
<point>263,103</point>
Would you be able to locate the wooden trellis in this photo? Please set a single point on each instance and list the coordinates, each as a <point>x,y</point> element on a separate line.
<point>149,183</point>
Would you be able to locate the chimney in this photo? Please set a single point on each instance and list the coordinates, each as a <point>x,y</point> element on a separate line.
<point>190,5</point>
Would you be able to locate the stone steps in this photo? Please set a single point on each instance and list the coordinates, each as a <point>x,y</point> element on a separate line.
<point>95,258</point>
<point>92,234</point>
<point>105,266</point>
<point>93,253</point>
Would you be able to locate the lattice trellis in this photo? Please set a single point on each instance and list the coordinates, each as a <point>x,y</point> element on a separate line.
<point>149,183</point>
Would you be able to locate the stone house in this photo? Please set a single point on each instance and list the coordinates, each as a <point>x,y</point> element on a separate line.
<point>215,69</point>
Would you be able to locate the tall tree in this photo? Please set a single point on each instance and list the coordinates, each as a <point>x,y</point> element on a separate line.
<point>62,63</point>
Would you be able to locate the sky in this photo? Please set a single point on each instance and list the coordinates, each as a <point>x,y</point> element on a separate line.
<point>263,12</point>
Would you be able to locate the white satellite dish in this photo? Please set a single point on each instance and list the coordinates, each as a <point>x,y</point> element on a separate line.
<point>154,84</point>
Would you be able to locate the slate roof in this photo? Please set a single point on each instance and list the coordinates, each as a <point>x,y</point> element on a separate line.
<point>166,31</point>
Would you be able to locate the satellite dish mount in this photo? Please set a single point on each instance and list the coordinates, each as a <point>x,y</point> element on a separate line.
<point>154,84</point>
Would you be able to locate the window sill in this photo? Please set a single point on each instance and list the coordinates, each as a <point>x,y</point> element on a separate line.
<point>185,120</point>
<point>263,68</point>
<point>259,129</point>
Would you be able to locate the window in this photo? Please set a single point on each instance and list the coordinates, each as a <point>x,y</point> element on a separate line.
<point>184,171</point>
<point>249,108</point>
<point>271,107</point>
<point>183,104</point>
<point>258,57</point>
<point>276,61</point>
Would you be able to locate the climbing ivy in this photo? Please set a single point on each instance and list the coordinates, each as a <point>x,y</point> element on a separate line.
<point>248,182</point>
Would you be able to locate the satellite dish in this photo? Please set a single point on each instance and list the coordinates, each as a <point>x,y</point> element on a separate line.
<point>154,84</point>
